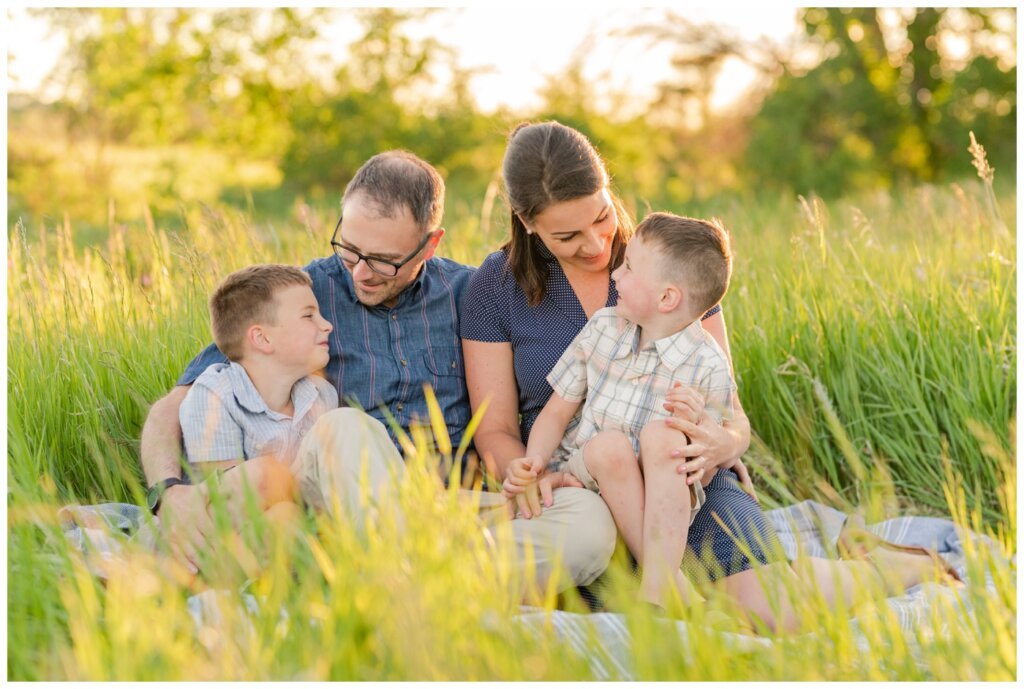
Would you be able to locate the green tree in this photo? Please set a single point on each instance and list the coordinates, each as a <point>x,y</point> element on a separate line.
<point>159,76</point>
<point>887,104</point>
<point>389,94</point>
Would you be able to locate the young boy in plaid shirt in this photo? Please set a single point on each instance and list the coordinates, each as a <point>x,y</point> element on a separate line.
<point>622,369</point>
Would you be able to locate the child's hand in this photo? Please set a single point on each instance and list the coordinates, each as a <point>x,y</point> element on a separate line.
<point>521,473</point>
<point>684,402</point>
<point>538,495</point>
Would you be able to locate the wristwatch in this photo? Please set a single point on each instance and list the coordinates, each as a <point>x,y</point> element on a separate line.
<point>156,492</point>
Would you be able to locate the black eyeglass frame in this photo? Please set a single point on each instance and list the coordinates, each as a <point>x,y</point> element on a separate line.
<point>338,248</point>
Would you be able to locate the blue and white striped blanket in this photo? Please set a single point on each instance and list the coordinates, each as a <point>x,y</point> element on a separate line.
<point>807,528</point>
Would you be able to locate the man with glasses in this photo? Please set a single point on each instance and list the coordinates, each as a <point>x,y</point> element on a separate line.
<point>393,305</point>
<point>394,308</point>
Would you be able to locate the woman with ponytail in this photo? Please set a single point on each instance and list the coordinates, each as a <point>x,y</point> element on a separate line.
<point>522,309</point>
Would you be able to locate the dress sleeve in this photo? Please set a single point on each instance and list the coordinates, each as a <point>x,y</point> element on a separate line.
<point>207,428</point>
<point>207,357</point>
<point>484,314</point>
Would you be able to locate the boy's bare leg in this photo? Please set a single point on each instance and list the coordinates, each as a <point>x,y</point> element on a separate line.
<point>284,517</point>
<point>265,479</point>
<point>666,517</point>
<point>610,460</point>
<point>267,484</point>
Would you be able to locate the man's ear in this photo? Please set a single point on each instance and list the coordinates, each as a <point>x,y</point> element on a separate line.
<point>434,241</point>
<point>670,299</point>
<point>257,338</point>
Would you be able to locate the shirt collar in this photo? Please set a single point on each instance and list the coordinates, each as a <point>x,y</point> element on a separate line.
<point>673,349</point>
<point>304,393</point>
<point>629,339</point>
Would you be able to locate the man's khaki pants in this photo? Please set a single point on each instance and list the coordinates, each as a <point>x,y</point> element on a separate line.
<point>577,532</point>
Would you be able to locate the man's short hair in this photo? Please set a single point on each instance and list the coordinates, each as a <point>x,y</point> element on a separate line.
<point>246,297</point>
<point>397,179</point>
<point>695,253</point>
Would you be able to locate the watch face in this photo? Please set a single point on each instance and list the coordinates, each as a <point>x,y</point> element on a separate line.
<point>153,497</point>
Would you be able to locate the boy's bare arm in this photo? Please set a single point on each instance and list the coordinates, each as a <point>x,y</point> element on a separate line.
<point>183,516</point>
<point>523,477</point>
<point>550,426</point>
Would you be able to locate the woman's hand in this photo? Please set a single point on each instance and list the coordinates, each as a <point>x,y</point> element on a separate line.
<point>745,483</point>
<point>711,448</point>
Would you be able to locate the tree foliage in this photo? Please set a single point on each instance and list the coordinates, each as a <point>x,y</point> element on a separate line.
<point>165,106</point>
<point>383,97</point>
<point>888,104</point>
<point>163,76</point>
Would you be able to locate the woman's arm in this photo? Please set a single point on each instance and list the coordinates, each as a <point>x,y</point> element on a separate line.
<point>738,427</point>
<point>490,376</point>
<point>713,446</point>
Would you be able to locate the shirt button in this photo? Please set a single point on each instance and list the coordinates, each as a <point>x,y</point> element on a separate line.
<point>394,316</point>
<point>399,407</point>
<point>404,362</point>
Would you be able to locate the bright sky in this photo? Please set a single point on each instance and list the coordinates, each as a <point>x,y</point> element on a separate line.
<point>521,45</point>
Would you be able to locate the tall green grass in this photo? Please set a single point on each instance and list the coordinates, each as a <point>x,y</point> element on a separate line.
<point>874,348</point>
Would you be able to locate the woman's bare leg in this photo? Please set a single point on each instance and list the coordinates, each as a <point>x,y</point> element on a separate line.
<point>771,595</point>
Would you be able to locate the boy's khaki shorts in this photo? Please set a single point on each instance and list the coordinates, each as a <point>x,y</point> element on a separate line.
<point>578,468</point>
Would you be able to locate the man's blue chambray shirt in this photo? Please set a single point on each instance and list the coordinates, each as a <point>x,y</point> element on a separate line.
<point>384,356</point>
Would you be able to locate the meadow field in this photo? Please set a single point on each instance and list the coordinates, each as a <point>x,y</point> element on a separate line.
<point>874,344</point>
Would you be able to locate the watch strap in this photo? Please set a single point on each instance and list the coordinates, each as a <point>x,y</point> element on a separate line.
<point>155,494</point>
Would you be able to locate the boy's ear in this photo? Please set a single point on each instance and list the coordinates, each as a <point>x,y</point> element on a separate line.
<point>257,338</point>
<point>432,244</point>
<point>671,298</point>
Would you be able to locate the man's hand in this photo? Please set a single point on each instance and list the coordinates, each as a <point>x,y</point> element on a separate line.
<point>185,523</point>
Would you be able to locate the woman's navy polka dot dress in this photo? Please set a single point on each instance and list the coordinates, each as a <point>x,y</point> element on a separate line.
<point>495,309</point>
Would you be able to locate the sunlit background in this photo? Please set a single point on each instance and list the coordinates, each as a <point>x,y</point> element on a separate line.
<point>272,109</point>
<point>872,311</point>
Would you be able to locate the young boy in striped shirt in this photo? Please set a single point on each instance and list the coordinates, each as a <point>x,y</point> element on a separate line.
<point>614,386</point>
<point>244,420</point>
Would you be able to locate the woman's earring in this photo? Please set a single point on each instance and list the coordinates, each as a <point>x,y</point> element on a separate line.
<point>529,231</point>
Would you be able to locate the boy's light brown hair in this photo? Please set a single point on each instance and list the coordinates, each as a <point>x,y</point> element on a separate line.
<point>694,253</point>
<point>246,297</point>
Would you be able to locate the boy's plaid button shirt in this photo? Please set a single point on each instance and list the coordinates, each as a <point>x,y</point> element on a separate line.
<point>623,388</point>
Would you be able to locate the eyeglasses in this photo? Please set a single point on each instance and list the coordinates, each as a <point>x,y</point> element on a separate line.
<point>381,266</point>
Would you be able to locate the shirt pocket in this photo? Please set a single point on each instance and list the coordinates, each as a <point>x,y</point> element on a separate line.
<point>445,361</point>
